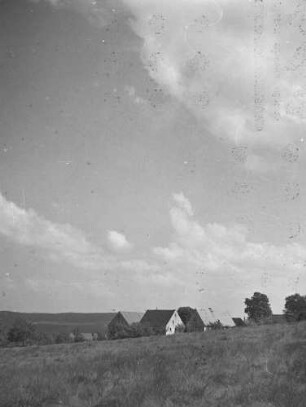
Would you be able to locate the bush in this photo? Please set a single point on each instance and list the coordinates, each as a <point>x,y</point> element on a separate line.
<point>136,330</point>
<point>63,337</point>
<point>215,325</point>
<point>22,332</point>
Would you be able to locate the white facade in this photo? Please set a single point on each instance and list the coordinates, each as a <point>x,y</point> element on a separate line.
<point>173,323</point>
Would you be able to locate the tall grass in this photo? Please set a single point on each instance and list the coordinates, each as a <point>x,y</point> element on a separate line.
<point>259,367</point>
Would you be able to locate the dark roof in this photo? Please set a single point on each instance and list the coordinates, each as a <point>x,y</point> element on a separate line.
<point>157,318</point>
<point>239,322</point>
<point>132,317</point>
<point>191,318</point>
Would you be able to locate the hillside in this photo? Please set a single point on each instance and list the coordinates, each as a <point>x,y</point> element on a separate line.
<point>62,322</point>
<point>242,367</point>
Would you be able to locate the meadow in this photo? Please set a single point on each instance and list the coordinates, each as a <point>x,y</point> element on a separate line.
<point>262,366</point>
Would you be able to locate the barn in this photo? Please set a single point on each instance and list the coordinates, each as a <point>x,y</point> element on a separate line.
<point>162,321</point>
<point>123,319</point>
<point>191,319</point>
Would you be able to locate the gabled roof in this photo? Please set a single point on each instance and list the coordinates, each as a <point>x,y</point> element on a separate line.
<point>209,316</point>
<point>132,317</point>
<point>186,313</point>
<point>157,318</point>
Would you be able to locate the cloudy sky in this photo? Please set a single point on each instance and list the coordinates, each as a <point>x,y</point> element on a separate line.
<point>151,153</point>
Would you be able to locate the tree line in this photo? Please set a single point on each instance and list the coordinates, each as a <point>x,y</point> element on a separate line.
<point>258,308</point>
<point>258,311</point>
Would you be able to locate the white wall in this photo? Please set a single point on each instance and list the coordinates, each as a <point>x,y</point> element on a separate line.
<point>174,321</point>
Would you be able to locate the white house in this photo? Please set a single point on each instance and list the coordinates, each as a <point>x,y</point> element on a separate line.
<point>163,321</point>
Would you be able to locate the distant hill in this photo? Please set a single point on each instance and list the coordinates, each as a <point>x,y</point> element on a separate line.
<point>62,322</point>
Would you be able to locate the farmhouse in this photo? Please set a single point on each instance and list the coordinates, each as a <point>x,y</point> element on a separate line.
<point>162,321</point>
<point>124,319</point>
<point>191,319</point>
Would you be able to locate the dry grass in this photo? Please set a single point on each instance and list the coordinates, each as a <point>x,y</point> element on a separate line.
<point>254,367</point>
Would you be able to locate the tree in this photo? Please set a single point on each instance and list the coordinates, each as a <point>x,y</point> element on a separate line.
<point>215,325</point>
<point>22,331</point>
<point>78,337</point>
<point>295,307</point>
<point>258,307</point>
<point>62,337</point>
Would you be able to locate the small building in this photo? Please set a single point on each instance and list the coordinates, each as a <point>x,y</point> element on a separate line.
<point>191,319</point>
<point>162,321</point>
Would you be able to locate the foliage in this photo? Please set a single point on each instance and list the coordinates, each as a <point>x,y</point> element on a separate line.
<point>78,337</point>
<point>295,307</point>
<point>22,332</point>
<point>215,325</point>
<point>180,328</point>
<point>258,307</point>
<point>62,337</point>
<point>136,330</point>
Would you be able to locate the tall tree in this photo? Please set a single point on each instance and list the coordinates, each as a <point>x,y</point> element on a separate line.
<point>258,307</point>
<point>295,307</point>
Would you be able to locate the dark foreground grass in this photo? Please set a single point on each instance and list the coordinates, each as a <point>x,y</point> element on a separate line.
<point>253,367</point>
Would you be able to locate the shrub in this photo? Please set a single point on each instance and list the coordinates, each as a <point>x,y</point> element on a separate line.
<point>22,332</point>
<point>215,325</point>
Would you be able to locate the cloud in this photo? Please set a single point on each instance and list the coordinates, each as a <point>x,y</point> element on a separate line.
<point>226,257</point>
<point>203,53</point>
<point>183,203</point>
<point>65,243</point>
<point>131,92</point>
<point>118,241</point>
<point>60,242</point>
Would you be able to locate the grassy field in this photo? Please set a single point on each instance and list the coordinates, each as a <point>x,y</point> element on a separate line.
<point>253,367</point>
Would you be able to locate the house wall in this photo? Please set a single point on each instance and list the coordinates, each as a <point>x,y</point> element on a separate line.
<point>173,323</point>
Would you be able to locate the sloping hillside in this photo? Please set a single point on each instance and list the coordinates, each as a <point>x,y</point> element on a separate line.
<point>63,322</point>
<point>241,367</point>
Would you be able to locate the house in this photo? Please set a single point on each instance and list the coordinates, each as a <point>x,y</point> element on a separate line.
<point>123,319</point>
<point>162,321</point>
<point>191,319</point>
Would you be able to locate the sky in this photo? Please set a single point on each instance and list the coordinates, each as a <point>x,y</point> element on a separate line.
<point>151,154</point>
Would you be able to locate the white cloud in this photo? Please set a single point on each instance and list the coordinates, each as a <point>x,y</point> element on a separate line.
<point>215,245</point>
<point>60,242</point>
<point>202,53</point>
<point>118,241</point>
<point>63,243</point>
<point>225,252</point>
<point>131,92</point>
<point>183,203</point>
